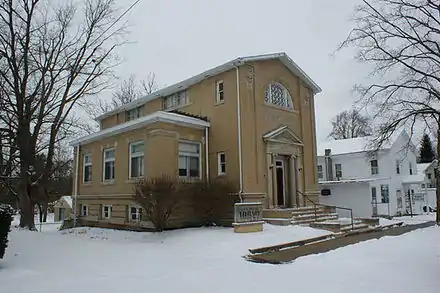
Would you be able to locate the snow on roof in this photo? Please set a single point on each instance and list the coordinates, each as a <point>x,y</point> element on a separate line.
<point>418,178</point>
<point>421,168</point>
<point>351,145</point>
<point>68,199</point>
<point>159,116</point>
<point>183,85</point>
<point>353,181</point>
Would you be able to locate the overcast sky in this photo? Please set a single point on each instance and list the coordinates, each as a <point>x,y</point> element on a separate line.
<point>177,39</point>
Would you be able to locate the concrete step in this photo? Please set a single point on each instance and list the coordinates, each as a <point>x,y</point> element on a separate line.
<point>276,214</point>
<point>312,216</point>
<point>319,219</point>
<point>356,227</point>
<point>278,221</point>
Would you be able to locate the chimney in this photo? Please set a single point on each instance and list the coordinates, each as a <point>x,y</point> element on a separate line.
<point>328,165</point>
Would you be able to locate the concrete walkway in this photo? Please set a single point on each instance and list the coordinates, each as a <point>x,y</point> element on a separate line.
<point>289,254</point>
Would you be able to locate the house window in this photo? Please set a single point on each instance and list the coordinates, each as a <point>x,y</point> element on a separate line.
<point>175,100</point>
<point>410,168</point>
<point>61,214</point>
<point>87,168</point>
<point>384,193</point>
<point>338,169</point>
<point>84,210</point>
<point>320,173</point>
<point>397,167</point>
<point>189,160</point>
<point>109,164</point>
<point>132,114</point>
<point>221,165</point>
<point>373,195</point>
<point>423,185</point>
<point>374,167</point>
<point>399,198</point>
<point>278,95</point>
<point>429,176</point>
<point>135,214</point>
<point>137,159</point>
<point>219,91</point>
<point>106,212</point>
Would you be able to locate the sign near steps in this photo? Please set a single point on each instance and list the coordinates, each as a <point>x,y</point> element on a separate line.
<point>248,217</point>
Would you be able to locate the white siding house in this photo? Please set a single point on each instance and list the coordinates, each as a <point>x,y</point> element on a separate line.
<point>351,174</point>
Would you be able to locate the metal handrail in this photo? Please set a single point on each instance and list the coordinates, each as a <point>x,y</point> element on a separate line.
<point>315,204</point>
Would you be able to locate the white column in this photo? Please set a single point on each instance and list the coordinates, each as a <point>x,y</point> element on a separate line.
<point>269,180</point>
<point>292,181</point>
<point>300,176</point>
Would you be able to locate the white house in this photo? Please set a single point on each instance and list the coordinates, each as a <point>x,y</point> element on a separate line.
<point>429,183</point>
<point>352,174</point>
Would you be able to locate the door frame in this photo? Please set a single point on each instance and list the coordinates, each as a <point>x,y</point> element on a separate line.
<point>283,168</point>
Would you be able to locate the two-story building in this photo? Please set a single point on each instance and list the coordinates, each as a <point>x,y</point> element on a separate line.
<point>384,181</point>
<point>250,121</point>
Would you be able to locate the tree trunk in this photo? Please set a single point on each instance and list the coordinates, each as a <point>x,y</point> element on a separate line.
<point>40,213</point>
<point>45,208</point>
<point>25,201</point>
<point>437,177</point>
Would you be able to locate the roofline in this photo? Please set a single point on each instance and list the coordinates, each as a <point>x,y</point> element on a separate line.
<point>357,152</point>
<point>159,116</point>
<point>353,181</point>
<point>180,86</point>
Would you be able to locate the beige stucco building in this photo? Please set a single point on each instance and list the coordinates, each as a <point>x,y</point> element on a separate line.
<point>250,120</point>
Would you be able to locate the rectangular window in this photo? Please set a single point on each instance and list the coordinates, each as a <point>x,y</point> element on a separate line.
<point>374,167</point>
<point>410,168</point>
<point>221,163</point>
<point>189,160</point>
<point>338,169</point>
<point>135,214</point>
<point>384,193</point>
<point>429,176</point>
<point>106,212</point>
<point>132,114</point>
<point>399,198</point>
<point>219,91</point>
<point>84,210</point>
<point>320,172</point>
<point>137,159</point>
<point>87,168</point>
<point>397,166</point>
<point>373,195</point>
<point>175,100</point>
<point>109,164</point>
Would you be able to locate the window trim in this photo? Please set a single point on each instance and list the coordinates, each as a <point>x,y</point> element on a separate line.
<point>137,115</point>
<point>219,163</point>
<point>175,96</point>
<point>105,160</point>
<point>320,173</point>
<point>109,212</point>
<point>286,93</point>
<point>340,170</point>
<point>82,210</point>
<point>218,93</point>
<point>374,198</point>
<point>376,168</point>
<point>87,165</point>
<point>131,155</point>
<point>381,194</point>
<point>199,144</point>
<point>139,212</point>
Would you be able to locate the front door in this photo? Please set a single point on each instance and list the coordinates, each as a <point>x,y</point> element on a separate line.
<point>61,214</point>
<point>281,189</point>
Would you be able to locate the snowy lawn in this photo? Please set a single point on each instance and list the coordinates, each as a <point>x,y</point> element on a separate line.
<point>416,219</point>
<point>209,260</point>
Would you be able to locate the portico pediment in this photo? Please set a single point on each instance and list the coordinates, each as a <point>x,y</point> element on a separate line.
<point>282,135</point>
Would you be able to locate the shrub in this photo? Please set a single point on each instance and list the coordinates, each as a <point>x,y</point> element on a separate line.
<point>158,198</point>
<point>6,213</point>
<point>172,203</point>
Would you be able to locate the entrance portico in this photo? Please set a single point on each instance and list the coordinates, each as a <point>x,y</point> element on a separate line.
<point>284,168</point>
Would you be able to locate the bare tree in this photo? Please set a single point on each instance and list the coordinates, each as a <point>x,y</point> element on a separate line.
<point>52,56</point>
<point>350,124</point>
<point>400,39</point>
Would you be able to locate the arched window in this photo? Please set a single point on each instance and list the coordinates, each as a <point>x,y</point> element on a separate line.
<point>278,95</point>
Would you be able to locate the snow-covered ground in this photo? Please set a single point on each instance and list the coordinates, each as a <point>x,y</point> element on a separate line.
<point>210,260</point>
<point>408,220</point>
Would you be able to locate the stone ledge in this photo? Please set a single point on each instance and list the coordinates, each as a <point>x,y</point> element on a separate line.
<point>249,227</point>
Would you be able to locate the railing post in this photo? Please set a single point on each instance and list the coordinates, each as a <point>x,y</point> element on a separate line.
<point>352,222</point>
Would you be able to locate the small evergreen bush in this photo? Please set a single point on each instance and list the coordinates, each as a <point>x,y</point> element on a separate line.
<point>6,213</point>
